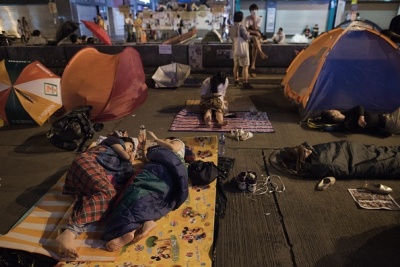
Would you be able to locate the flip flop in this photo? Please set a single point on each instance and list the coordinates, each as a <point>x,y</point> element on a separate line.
<point>245,135</point>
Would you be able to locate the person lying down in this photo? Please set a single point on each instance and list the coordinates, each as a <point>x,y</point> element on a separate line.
<point>101,181</point>
<point>340,159</point>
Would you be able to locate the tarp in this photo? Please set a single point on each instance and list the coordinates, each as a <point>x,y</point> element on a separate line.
<point>344,68</point>
<point>114,85</point>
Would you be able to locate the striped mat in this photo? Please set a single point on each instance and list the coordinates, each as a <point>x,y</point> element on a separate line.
<point>183,237</point>
<point>37,230</point>
<point>235,103</point>
<point>189,121</point>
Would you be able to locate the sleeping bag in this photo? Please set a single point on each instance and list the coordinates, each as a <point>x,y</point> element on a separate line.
<point>160,187</point>
<point>352,160</point>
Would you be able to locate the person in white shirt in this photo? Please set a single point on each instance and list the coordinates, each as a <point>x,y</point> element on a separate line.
<point>253,25</point>
<point>279,37</point>
<point>130,29</point>
<point>36,39</point>
<point>212,94</point>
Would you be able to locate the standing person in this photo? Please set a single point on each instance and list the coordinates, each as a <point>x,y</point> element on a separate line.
<point>94,178</point>
<point>279,37</point>
<point>315,31</point>
<point>138,24</point>
<point>130,29</point>
<point>253,24</point>
<point>100,21</point>
<point>212,94</point>
<point>238,30</point>
<point>178,24</point>
<point>21,31</point>
<point>26,29</point>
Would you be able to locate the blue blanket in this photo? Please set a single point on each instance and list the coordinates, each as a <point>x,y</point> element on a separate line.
<point>161,187</point>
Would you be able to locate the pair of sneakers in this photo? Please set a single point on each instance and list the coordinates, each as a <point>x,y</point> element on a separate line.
<point>240,135</point>
<point>247,180</point>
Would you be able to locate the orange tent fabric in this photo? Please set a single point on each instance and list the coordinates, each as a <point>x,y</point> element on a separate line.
<point>114,85</point>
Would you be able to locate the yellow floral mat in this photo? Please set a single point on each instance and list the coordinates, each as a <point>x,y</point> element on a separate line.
<point>183,237</point>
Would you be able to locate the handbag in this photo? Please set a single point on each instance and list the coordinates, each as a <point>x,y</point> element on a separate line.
<point>211,103</point>
<point>203,172</point>
<point>240,47</point>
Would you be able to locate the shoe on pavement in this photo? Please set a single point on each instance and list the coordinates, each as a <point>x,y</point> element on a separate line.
<point>247,85</point>
<point>325,183</point>
<point>251,181</point>
<point>377,188</point>
<point>245,135</point>
<point>241,180</point>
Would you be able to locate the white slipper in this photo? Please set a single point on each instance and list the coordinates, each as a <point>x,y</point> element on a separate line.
<point>245,135</point>
<point>235,135</point>
<point>325,183</point>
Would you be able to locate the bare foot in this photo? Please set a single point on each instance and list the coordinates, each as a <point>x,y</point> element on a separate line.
<point>66,244</point>
<point>119,242</point>
<point>208,121</point>
<point>145,230</point>
<point>224,123</point>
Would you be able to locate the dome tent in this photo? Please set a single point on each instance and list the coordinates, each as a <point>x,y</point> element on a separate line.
<point>114,85</point>
<point>344,68</point>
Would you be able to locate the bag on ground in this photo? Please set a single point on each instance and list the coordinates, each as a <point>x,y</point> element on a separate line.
<point>72,130</point>
<point>202,172</point>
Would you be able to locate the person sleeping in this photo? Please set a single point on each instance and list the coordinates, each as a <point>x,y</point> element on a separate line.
<point>358,120</point>
<point>339,159</point>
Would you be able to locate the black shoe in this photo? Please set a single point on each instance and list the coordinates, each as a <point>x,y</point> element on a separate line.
<point>236,83</point>
<point>247,86</point>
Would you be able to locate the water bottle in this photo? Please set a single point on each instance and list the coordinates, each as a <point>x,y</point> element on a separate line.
<point>221,145</point>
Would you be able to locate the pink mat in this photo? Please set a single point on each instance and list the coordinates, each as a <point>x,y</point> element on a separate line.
<point>190,121</point>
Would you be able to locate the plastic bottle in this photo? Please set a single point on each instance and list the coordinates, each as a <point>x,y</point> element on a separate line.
<point>221,145</point>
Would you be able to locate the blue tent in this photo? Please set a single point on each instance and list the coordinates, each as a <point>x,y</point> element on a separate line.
<point>344,68</point>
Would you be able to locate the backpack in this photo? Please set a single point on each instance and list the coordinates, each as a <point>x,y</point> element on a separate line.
<point>72,130</point>
<point>317,123</point>
<point>203,172</point>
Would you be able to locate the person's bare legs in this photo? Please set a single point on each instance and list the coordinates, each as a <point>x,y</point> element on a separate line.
<point>257,45</point>
<point>144,231</point>
<point>66,244</point>
<point>119,242</point>
<point>253,53</point>
<point>245,73</point>
<point>220,118</point>
<point>207,117</point>
<point>236,73</point>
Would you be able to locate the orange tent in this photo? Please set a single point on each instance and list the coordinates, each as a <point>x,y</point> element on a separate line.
<point>344,68</point>
<point>114,85</point>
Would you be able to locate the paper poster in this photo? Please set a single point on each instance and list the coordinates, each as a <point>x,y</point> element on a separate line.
<point>271,11</point>
<point>165,49</point>
<point>196,56</point>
